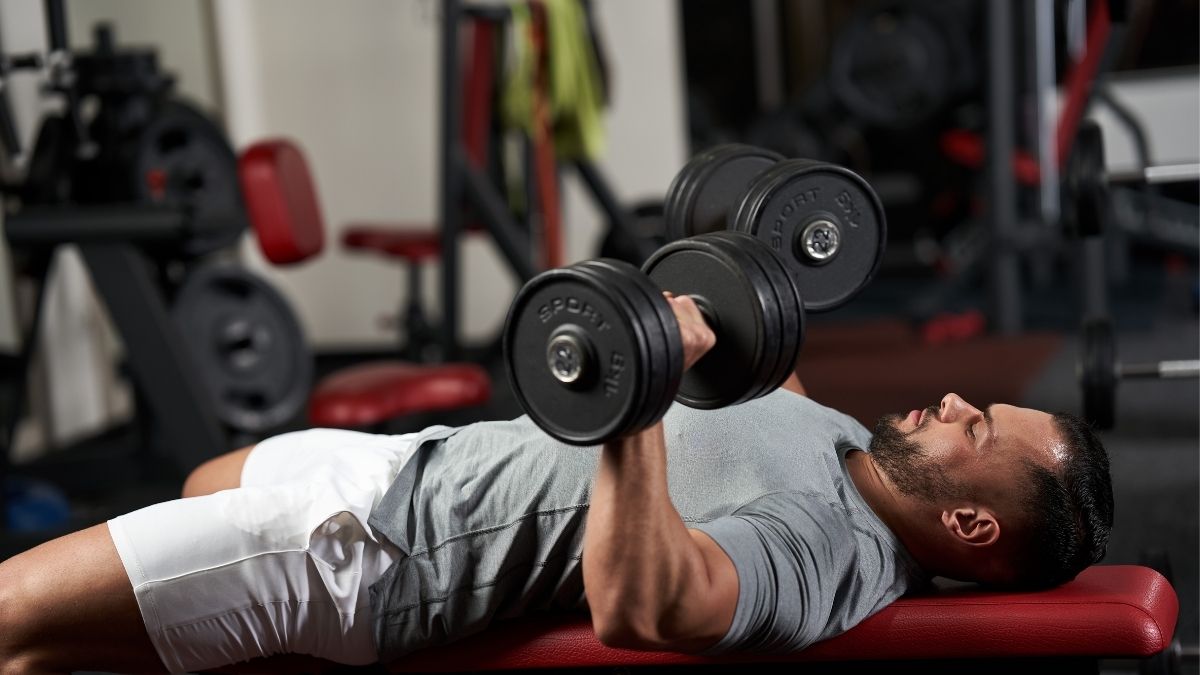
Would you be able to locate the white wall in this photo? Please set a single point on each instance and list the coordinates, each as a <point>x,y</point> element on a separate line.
<point>356,83</point>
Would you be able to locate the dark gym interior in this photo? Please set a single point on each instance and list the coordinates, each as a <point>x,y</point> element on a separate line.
<point>1035,165</point>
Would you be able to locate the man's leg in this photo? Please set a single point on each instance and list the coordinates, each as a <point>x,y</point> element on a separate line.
<point>68,605</point>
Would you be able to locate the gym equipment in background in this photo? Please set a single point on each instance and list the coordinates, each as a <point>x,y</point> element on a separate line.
<point>145,185</point>
<point>472,188</point>
<point>1086,214</point>
<point>285,212</point>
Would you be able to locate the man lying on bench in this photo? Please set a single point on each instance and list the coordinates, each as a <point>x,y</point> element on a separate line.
<point>763,526</point>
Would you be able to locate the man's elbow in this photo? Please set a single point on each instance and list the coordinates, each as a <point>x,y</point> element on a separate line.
<point>628,630</point>
<point>643,632</point>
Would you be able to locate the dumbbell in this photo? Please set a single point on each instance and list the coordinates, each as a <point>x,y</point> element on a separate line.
<point>823,220</point>
<point>593,350</point>
<point>1099,371</point>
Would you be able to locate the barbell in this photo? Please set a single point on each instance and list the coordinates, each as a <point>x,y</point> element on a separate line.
<point>1086,208</point>
<point>1100,371</point>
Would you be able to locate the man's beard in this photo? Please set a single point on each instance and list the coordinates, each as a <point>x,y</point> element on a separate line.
<point>903,461</point>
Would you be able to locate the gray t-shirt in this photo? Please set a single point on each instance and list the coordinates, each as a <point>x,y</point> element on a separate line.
<point>490,518</point>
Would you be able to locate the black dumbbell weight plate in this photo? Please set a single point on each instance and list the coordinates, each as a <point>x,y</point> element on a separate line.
<point>184,160</point>
<point>824,221</point>
<point>667,371</point>
<point>606,358</point>
<point>732,371</point>
<point>618,276</point>
<point>739,251</point>
<point>248,345</point>
<point>789,304</point>
<point>710,185</point>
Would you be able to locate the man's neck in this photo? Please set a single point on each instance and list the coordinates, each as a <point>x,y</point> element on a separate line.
<point>894,509</point>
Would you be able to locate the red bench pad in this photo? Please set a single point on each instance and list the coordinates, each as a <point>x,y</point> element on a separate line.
<point>376,392</point>
<point>1117,611</point>
<point>394,240</point>
<point>281,201</point>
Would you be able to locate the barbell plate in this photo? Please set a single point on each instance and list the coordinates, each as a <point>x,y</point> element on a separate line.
<point>730,372</point>
<point>183,159</point>
<point>893,66</point>
<point>791,305</point>
<point>710,185</point>
<point>1097,372</point>
<point>788,203</point>
<point>606,402</point>
<point>668,353</point>
<point>1085,194</point>
<point>248,344</point>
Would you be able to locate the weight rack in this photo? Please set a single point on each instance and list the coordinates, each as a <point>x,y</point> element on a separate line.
<point>464,185</point>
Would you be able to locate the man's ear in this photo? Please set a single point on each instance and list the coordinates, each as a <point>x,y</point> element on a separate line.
<point>974,526</point>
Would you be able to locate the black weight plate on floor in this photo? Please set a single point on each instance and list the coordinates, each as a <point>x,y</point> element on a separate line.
<point>248,344</point>
<point>772,325</point>
<point>1098,373</point>
<point>657,367</point>
<point>783,201</point>
<point>604,404</point>
<point>791,306</point>
<point>727,374</point>
<point>183,159</point>
<point>711,185</point>
<point>672,343</point>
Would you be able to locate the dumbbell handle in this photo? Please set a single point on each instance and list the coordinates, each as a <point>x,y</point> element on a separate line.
<point>1159,369</point>
<point>567,352</point>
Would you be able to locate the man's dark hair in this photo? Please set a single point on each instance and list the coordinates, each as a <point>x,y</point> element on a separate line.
<point>1069,515</point>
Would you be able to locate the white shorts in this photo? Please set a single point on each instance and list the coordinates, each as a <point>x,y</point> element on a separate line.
<point>281,564</point>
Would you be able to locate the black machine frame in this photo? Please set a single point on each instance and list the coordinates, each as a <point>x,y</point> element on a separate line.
<point>114,241</point>
<point>463,185</point>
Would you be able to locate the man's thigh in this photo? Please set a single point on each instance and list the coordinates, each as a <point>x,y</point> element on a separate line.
<point>68,605</point>
<point>253,572</point>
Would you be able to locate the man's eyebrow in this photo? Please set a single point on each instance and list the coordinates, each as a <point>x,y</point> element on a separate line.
<point>987,417</point>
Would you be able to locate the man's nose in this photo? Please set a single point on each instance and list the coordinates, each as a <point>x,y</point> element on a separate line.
<point>953,407</point>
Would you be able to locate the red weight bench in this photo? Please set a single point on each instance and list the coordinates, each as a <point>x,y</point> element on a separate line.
<point>1117,611</point>
<point>281,202</point>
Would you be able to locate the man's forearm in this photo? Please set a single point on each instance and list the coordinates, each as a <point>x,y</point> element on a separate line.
<point>639,558</point>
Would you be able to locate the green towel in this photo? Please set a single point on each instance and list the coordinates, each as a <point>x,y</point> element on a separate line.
<point>573,79</point>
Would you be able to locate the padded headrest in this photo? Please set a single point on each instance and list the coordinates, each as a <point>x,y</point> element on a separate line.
<point>281,201</point>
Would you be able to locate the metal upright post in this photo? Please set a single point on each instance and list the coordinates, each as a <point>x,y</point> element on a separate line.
<point>1004,276</point>
<point>451,157</point>
<point>1044,88</point>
